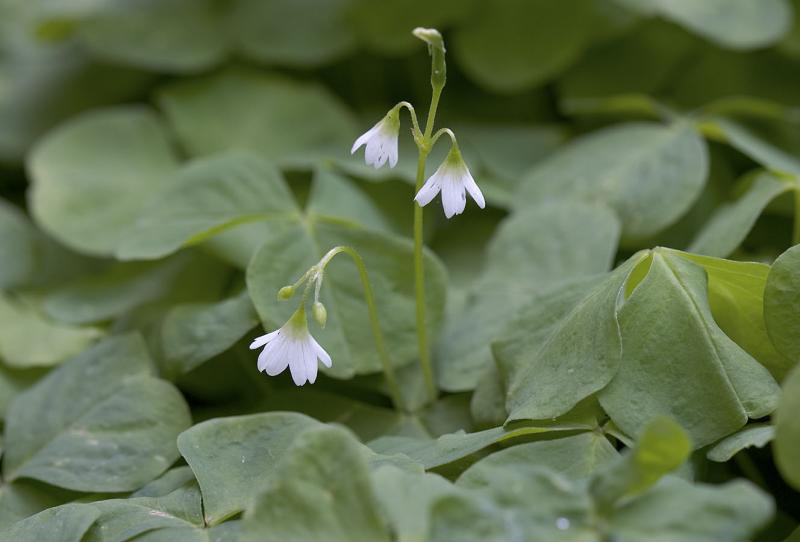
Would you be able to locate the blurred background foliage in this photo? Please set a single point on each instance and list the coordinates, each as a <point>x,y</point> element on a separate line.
<point>693,105</point>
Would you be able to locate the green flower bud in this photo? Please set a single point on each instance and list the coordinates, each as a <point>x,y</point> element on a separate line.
<point>286,293</point>
<point>320,313</point>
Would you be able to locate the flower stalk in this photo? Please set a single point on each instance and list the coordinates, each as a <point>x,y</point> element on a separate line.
<point>452,179</point>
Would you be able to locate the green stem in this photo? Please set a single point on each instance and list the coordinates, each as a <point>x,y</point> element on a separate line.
<point>377,333</point>
<point>796,232</point>
<point>419,285</point>
<point>419,264</point>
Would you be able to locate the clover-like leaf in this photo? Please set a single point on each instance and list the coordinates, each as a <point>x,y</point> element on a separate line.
<point>99,422</point>
<point>92,174</point>
<point>321,492</point>
<point>533,250</point>
<point>648,173</point>
<point>671,346</point>
<point>787,430</point>
<point>732,221</point>
<point>782,304</point>
<point>234,458</point>
<point>249,110</point>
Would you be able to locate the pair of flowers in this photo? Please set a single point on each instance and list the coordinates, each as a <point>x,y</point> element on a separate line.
<point>292,345</point>
<point>452,178</point>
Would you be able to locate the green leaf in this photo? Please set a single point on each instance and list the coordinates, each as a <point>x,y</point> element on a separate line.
<point>194,333</point>
<point>29,258</point>
<point>322,492</point>
<point>234,458</point>
<point>513,45</point>
<point>787,430</point>
<point>335,196</point>
<point>641,61</point>
<point>99,422</point>
<point>177,36</point>
<point>750,144</point>
<point>24,498</point>
<point>662,447</point>
<point>531,251</point>
<point>406,498</point>
<point>113,291</point>
<point>677,510</point>
<point>66,523</point>
<point>207,196</point>
<point>736,294</point>
<point>736,24</point>
<point>303,33</point>
<point>92,174</point>
<point>782,304</point>
<point>347,337</point>
<point>720,385</point>
<point>731,223</point>
<point>432,453</point>
<point>45,83</point>
<point>563,348</point>
<point>576,457</point>
<point>266,113</point>
<point>176,516</point>
<point>365,420</point>
<point>649,188</point>
<point>29,338</point>
<point>756,434</point>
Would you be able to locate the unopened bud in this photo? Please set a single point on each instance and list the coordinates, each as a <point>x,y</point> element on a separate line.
<point>320,313</point>
<point>286,292</point>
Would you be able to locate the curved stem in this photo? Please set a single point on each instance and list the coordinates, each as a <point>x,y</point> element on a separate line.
<point>413,114</point>
<point>442,131</point>
<point>377,333</point>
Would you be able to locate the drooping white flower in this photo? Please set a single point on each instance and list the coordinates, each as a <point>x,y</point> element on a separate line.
<point>381,141</point>
<point>291,346</point>
<point>453,180</point>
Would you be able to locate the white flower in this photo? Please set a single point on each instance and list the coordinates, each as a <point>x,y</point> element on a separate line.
<point>381,141</point>
<point>292,345</point>
<point>453,180</point>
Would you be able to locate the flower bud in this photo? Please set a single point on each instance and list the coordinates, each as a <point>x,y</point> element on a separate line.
<point>320,313</point>
<point>286,292</point>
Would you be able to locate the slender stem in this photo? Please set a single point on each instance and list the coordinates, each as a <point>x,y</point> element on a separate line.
<point>413,114</point>
<point>796,232</point>
<point>442,131</point>
<point>419,264</point>
<point>419,285</point>
<point>437,93</point>
<point>377,333</point>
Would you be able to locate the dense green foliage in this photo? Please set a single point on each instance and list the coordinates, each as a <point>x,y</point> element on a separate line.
<point>614,337</point>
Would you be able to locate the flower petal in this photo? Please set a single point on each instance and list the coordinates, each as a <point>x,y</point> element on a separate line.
<point>454,198</point>
<point>474,190</point>
<point>362,139</point>
<point>258,342</point>
<point>321,353</point>
<point>296,365</point>
<point>310,361</point>
<point>276,359</point>
<point>428,190</point>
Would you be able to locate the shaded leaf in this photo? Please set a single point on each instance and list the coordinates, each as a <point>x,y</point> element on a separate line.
<point>97,423</point>
<point>757,434</point>
<point>782,304</point>
<point>649,188</point>
<point>92,174</point>
<point>250,110</point>
<point>234,458</point>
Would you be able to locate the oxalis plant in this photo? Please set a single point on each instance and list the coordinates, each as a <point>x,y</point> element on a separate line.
<point>607,353</point>
<point>292,345</point>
